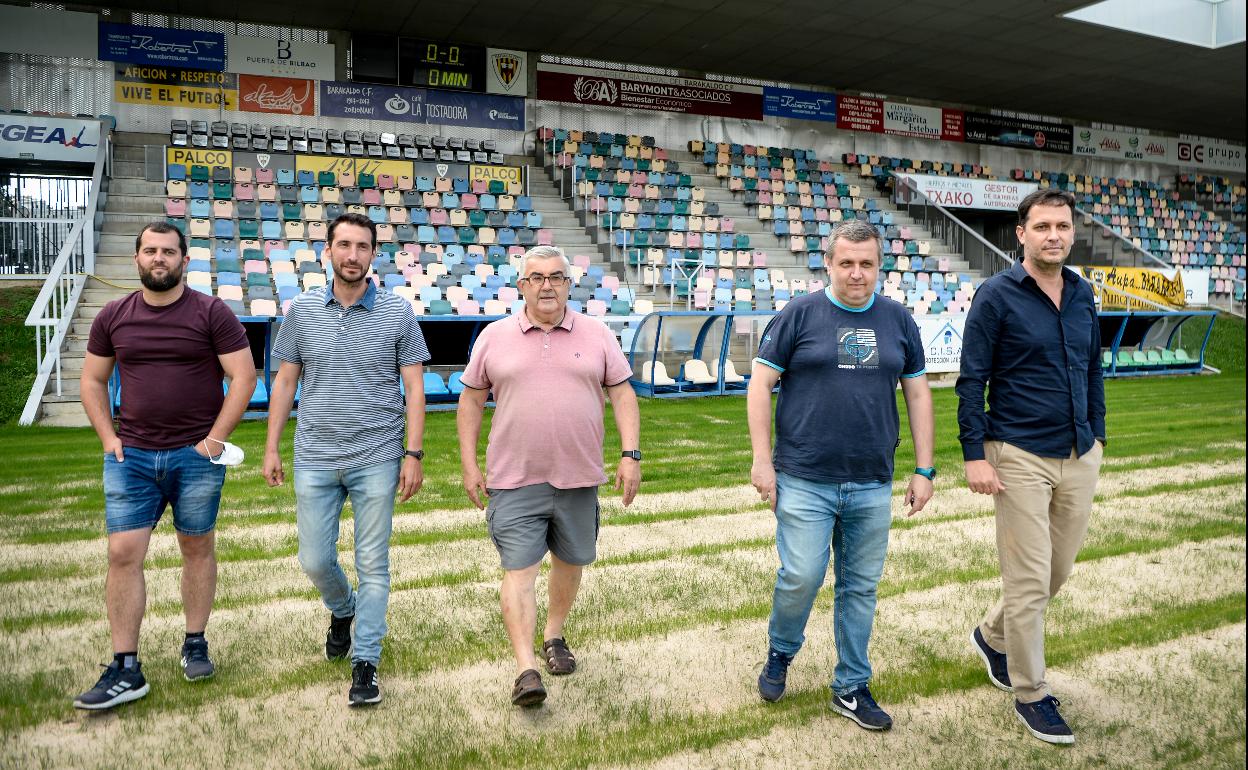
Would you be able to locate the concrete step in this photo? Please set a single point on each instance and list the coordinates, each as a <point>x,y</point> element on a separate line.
<point>63,413</point>
<point>135,186</point>
<point>153,205</point>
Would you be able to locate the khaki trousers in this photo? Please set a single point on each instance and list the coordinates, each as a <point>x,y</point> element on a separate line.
<point>1042,517</point>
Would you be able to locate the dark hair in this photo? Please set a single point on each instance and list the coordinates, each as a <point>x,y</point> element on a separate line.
<point>359,220</point>
<point>855,231</point>
<point>160,226</point>
<point>1045,197</point>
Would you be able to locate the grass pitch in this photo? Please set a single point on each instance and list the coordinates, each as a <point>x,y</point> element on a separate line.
<point>1146,643</point>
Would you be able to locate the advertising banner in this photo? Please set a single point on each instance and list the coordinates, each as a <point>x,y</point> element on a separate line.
<point>281,96</point>
<point>506,72</point>
<point>1027,133</point>
<point>1196,287</point>
<point>942,341</point>
<point>492,173</point>
<point>442,170</point>
<point>920,122</point>
<point>170,87</point>
<point>457,108</point>
<point>1120,145</point>
<point>188,156</point>
<point>37,137</point>
<point>1142,282</point>
<point>1208,154</point>
<point>420,105</point>
<point>279,58</point>
<point>860,113</point>
<point>795,103</point>
<point>960,192</point>
<point>636,91</point>
<point>162,47</point>
<point>374,102</point>
<point>357,166</point>
<point>275,161</point>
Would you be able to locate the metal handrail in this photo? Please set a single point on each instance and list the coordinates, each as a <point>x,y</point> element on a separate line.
<point>54,307</point>
<point>1087,216</point>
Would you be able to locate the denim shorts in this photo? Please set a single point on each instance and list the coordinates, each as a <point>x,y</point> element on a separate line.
<point>526,522</point>
<point>137,490</point>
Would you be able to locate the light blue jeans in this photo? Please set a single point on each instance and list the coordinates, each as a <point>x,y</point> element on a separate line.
<point>853,519</point>
<point>319,497</point>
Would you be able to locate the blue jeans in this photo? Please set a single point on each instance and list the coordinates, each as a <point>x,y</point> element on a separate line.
<point>853,518</point>
<point>319,497</point>
<point>137,490</point>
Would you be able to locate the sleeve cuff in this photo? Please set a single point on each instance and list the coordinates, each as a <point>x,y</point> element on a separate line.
<point>972,452</point>
<point>765,362</point>
<point>919,373</point>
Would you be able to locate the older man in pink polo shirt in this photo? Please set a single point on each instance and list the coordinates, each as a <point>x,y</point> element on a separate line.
<point>547,366</point>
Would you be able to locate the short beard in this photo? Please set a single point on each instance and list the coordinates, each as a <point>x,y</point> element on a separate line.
<point>343,280</point>
<point>173,277</point>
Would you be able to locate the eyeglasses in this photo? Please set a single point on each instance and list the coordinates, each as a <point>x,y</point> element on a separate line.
<point>556,280</point>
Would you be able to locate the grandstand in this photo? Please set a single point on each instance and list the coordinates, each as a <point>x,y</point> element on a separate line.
<point>659,215</point>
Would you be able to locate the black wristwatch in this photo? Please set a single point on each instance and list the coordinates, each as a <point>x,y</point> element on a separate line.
<point>634,454</point>
<point>419,454</point>
<point>927,473</point>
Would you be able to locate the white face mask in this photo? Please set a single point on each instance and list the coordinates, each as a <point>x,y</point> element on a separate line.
<point>230,454</point>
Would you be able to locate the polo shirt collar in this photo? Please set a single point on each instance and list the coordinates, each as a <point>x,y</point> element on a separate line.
<point>522,318</point>
<point>370,294</point>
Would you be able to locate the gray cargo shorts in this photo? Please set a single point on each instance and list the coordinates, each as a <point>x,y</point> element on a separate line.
<point>526,522</point>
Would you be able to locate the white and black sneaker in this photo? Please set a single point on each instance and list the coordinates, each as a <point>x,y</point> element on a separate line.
<point>117,685</point>
<point>365,686</point>
<point>196,664</point>
<point>862,708</point>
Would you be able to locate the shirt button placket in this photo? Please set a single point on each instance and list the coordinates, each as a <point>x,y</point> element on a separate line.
<point>545,346</point>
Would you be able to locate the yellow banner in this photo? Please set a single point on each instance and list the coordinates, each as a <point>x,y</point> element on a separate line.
<point>173,87</point>
<point>1123,287</point>
<point>490,173</point>
<point>188,156</point>
<point>357,166</point>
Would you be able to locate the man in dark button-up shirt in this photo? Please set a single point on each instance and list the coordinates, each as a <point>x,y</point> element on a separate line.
<point>1033,339</point>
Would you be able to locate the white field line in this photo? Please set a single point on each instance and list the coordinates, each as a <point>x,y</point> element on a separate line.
<point>686,584</point>
<point>1123,706</point>
<point>952,499</point>
<point>707,670</point>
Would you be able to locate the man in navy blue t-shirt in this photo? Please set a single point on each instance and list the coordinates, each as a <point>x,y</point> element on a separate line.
<point>838,356</point>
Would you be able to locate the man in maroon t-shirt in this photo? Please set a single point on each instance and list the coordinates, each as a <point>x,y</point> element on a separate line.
<point>171,346</point>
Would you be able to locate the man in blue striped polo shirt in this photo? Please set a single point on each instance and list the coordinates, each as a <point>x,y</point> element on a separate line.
<point>354,346</point>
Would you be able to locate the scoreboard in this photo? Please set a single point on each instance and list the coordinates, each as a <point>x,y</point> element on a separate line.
<point>436,64</point>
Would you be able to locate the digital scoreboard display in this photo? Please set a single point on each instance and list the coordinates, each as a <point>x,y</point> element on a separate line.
<point>435,64</point>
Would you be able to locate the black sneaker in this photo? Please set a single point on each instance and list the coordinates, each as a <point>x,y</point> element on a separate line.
<point>1043,721</point>
<point>196,664</point>
<point>117,685</point>
<point>775,671</point>
<point>365,686</point>
<point>862,708</point>
<point>998,674</point>
<point>338,640</point>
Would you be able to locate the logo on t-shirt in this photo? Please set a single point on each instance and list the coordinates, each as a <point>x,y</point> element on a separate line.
<point>857,349</point>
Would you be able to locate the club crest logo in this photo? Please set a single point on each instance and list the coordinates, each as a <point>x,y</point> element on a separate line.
<point>506,68</point>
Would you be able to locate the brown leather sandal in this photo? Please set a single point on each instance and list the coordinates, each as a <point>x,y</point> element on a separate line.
<point>528,690</point>
<point>559,659</point>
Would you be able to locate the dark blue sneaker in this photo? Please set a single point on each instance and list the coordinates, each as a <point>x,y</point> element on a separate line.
<point>196,664</point>
<point>117,685</point>
<point>1043,721</point>
<point>775,671</point>
<point>862,708</point>
<point>998,674</point>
